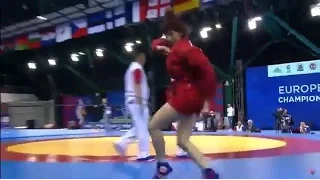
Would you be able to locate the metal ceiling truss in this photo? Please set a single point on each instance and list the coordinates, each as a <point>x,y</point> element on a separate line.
<point>62,16</point>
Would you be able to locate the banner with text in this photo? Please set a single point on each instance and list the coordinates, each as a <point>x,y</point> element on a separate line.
<point>293,86</point>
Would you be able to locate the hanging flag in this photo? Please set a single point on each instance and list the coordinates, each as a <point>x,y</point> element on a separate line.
<point>116,17</point>
<point>63,32</point>
<point>48,37</point>
<point>34,40</point>
<point>79,28</point>
<point>96,22</point>
<point>21,43</point>
<point>184,5</point>
<point>149,9</point>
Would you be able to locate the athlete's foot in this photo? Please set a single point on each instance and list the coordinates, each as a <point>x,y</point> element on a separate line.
<point>209,173</point>
<point>163,170</point>
<point>182,155</point>
<point>120,149</point>
<point>147,158</point>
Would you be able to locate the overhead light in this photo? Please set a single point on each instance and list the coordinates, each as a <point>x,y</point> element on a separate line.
<point>99,52</point>
<point>315,10</point>
<point>81,53</point>
<point>204,32</point>
<point>138,42</point>
<point>129,44</point>
<point>74,57</point>
<point>218,26</point>
<point>258,18</point>
<point>128,48</point>
<point>207,28</point>
<point>163,36</point>
<point>252,23</point>
<point>41,17</point>
<point>52,62</point>
<point>32,65</point>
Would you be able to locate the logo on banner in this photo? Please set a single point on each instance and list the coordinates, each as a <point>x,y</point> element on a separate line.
<point>288,69</point>
<point>313,66</point>
<point>300,67</point>
<point>277,70</point>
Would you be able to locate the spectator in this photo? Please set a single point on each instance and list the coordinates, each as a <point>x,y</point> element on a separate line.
<point>218,122</point>
<point>230,115</point>
<point>210,121</point>
<point>250,127</point>
<point>239,127</point>
<point>304,128</point>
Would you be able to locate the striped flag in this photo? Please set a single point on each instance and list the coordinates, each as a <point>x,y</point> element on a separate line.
<point>48,37</point>
<point>34,40</point>
<point>96,22</point>
<point>79,28</point>
<point>185,5</point>
<point>63,32</point>
<point>149,9</point>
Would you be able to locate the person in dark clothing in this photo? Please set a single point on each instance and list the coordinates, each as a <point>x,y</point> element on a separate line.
<point>250,127</point>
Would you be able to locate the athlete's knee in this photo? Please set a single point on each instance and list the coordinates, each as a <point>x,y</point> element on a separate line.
<point>182,142</point>
<point>151,126</point>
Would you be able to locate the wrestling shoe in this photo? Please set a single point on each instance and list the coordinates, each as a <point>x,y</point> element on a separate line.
<point>120,149</point>
<point>163,170</point>
<point>147,158</point>
<point>182,155</point>
<point>209,174</point>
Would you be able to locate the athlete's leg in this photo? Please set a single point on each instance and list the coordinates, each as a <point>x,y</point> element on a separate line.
<point>164,116</point>
<point>185,125</point>
<point>140,117</point>
<point>128,138</point>
<point>181,152</point>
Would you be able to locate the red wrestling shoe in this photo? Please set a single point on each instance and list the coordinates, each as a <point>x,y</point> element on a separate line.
<point>210,174</point>
<point>163,170</point>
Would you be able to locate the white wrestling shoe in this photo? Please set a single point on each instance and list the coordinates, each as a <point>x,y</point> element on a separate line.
<point>182,154</point>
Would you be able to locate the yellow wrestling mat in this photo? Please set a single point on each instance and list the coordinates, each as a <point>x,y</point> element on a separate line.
<point>103,146</point>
